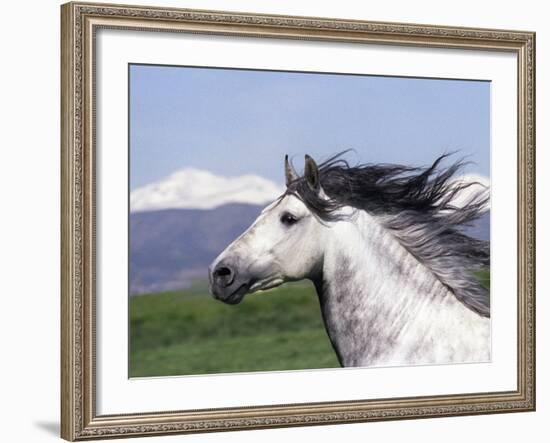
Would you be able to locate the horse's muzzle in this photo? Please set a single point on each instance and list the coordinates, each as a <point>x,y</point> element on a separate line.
<point>226,284</point>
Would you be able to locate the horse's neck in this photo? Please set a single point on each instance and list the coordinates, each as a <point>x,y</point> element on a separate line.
<point>381,306</point>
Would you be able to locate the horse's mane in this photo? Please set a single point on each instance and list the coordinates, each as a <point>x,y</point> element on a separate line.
<point>416,205</point>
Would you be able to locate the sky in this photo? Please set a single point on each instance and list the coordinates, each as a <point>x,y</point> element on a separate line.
<point>236,122</point>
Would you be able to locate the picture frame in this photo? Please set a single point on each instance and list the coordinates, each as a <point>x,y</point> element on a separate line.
<point>80,178</point>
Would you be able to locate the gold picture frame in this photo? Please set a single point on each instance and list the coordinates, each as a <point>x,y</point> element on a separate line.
<point>79,22</point>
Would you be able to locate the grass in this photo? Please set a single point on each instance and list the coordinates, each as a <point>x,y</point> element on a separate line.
<point>484,278</point>
<point>188,332</point>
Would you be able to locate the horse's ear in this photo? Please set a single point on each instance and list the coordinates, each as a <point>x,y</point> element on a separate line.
<point>290,173</point>
<point>311,173</point>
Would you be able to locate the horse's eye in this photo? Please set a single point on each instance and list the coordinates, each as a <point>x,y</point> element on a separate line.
<point>288,219</point>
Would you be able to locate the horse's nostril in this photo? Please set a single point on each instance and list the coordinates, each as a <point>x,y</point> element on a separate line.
<point>222,272</point>
<point>223,275</point>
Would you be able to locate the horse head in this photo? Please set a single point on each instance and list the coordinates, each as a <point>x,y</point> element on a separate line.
<point>283,244</point>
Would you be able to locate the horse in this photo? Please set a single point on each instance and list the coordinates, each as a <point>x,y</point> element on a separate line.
<point>387,252</point>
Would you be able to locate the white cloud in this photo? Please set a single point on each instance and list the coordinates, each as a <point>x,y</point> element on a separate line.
<point>198,189</point>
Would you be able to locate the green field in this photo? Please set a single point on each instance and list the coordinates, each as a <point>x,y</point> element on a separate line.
<point>484,278</point>
<point>188,332</point>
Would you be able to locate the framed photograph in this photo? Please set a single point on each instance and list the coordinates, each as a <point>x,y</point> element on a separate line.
<point>282,221</point>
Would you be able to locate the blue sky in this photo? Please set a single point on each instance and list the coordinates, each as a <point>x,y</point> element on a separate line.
<point>234,122</point>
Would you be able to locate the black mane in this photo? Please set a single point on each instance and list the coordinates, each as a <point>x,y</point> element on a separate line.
<point>416,205</point>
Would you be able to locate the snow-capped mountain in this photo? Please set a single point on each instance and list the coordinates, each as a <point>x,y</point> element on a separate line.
<point>197,189</point>
<point>480,184</point>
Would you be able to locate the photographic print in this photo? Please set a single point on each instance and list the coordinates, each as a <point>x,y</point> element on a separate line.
<point>255,206</point>
<point>301,220</point>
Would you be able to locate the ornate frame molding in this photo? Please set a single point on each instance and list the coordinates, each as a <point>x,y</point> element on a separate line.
<point>79,23</point>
